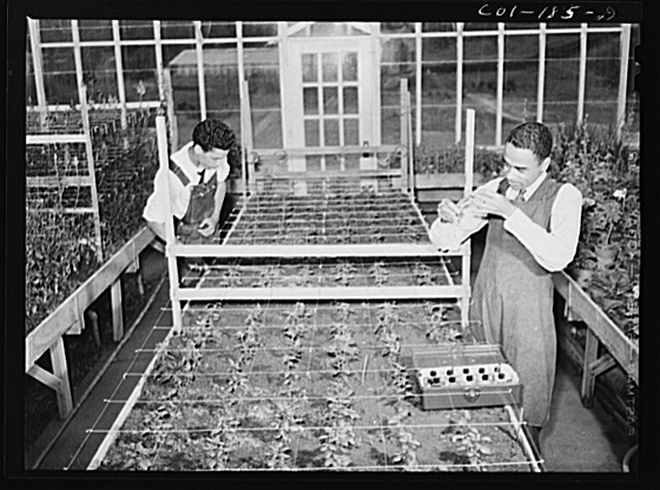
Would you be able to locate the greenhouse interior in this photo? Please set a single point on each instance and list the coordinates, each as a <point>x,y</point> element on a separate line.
<point>319,326</point>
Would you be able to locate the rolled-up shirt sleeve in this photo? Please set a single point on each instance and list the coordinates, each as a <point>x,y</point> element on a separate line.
<point>553,249</point>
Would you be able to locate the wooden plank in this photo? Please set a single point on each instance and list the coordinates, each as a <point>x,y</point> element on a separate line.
<point>64,317</point>
<point>54,181</point>
<point>51,139</point>
<point>60,370</point>
<point>117,314</point>
<point>353,250</point>
<point>624,350</point>
<point>320,294</point>
<point>588,377</point>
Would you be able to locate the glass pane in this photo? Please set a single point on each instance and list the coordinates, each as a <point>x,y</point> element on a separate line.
<point>350,67</point>
<point>351,132</point>
<point>312,133</point>
<point>60,76</point>
<point>331,132</point>
<point>439,49</point>
<point>330,100</point>
<point>602,82</point>
<point>259,29</point>
<point>218,29</point>
<point>221,77</point>
<point>267,127</point>
<point>438,127</point>
<point>55,30</point>
<point>177,29</point>
<point>264,84</point>
<point>140,77</point>
<point>100,69</point>
<point>310,101</point>
<point>350,100</point>
<point>309,67</point>
<point>136,29</point>
<point>438,27</point>
<point>330,68</point>
<point>397,27</point>
<point>95,30</point>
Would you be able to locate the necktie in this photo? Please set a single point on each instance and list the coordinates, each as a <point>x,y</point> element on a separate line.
<point>521,196</point>
<point>201,176</point>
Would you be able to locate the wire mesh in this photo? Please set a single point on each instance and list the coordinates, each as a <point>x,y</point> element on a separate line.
<point>307,385</point>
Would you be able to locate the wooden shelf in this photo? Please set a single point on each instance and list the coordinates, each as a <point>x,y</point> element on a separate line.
<point>68,318</point>
<point>600,330</point>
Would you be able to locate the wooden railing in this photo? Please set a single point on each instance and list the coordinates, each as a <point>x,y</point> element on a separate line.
<point>68,319</point>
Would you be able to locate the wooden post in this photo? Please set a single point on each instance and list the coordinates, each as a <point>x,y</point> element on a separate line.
<point>248,177</point>
<point>117,313</point>
<point>467,190</point>
<point>163,157</point>
<point>404,133</point>
<point>588,377</point>
<point>61,372</point>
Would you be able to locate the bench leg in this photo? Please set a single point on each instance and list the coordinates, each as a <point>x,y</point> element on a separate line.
<point>588,375</point>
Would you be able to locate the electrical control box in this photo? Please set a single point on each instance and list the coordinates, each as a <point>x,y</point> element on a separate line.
<point>465,375</point>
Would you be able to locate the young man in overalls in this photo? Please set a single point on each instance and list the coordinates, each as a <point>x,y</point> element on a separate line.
<point>197,183</point>
<point>533,229</point>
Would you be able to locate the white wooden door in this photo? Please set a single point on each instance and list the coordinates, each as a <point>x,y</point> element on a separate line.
<point>331,98</point>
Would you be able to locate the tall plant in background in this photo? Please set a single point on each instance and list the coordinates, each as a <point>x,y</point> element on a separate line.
<point>606,171</point>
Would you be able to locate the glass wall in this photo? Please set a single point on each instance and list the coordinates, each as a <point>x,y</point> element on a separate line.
<point>449,52</point>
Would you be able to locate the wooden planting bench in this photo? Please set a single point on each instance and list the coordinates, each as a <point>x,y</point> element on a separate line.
<point>68,319</point>
<point>600,330</point>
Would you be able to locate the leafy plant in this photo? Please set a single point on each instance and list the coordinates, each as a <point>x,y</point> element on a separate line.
<point>379,273</point>
<point>469,440</point>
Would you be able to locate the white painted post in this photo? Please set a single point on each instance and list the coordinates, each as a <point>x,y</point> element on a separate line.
<point>467,190</point>
<point>163,158</point>
<point>199,46</point>
<point>89,150</point>
<point>37,60</point>
<point>158,45</point>
<point>582,72</point>
<point>623,79</point>
<point>119,66</point>
<point>418,83</point>
<point>500,84</point>
<point>60,370</point>
<point>541,82</point>
<point>459,81</point>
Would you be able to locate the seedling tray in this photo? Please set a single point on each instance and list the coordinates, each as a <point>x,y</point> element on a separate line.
<point>457,376</point>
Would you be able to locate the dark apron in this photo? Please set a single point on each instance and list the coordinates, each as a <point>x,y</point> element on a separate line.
<point>512,301</point>
<point>200,207</point>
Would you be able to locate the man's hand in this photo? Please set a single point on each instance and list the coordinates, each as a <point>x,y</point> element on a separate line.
<point>490,202</point>
<point>207,227</point>
<point>448,211</point>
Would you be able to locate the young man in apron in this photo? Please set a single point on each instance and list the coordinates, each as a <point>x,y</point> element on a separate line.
<point>197,184</point>
<point>533,229</point>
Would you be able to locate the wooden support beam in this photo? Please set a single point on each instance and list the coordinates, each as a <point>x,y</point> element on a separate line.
<point>354,250</point>
<point>588,377</point>
<point>58,379</point>
<point>117,313</point>
<point>623,349</point>
<point>319,294</point>
<point>602,364</point>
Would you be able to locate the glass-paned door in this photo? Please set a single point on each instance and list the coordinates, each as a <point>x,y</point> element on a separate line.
<point>331,98</point>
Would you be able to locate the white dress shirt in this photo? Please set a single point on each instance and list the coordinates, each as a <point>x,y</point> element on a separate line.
<point>553,250</point>
<point>156,207</point>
